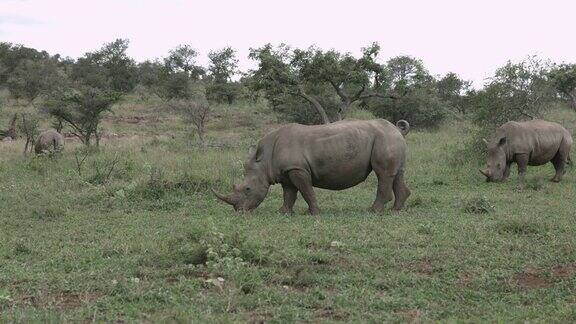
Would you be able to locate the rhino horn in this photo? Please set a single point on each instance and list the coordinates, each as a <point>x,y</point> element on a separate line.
<point>485,173</point>
<point>227,199</point>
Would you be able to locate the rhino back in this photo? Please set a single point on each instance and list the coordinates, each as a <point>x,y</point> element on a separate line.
<point>538,138</point>
<point>47,140</point>
<point>337,155</point>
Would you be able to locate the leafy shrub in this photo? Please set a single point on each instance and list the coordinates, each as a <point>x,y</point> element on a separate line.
<point>520,227</point>
<point>420,108</point>
<point>49,213</point>
<point>478,205</point>
<point>534,184</point>
<point>297,110</point>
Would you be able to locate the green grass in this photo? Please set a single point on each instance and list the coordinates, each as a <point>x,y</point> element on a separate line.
<point>135,235</point>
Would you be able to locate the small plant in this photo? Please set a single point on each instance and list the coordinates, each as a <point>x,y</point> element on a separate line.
<point>49,213</point>
<point>103,170</point>
<point>478,205</point>
<point>29,127</point>
<point>521,227</point>
<point>534,184</point>
<point>193,112</point>
<point>5,298</point>
<point>221,257</point>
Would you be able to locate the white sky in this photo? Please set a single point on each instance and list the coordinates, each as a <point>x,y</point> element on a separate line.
<point>471,38</point>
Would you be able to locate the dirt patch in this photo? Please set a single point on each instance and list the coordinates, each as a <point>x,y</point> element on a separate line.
<point>564,271</point>
<point>330,313</point>
<point>464,280</point>
<point>172,280</point>
<point>135,120</point>
<point>530,279</point>
<point>424,268</point>
<point>259,317</point>
<point>64,300</point>
<point>412,315</point>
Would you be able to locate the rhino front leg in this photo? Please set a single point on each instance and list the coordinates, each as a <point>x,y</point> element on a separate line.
<point>507,170</point>
<point>303,182</point>
<point>290,194</point>
<point>522,161</point>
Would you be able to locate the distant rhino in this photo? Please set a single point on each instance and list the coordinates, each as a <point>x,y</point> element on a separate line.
<point>334,156</point>
<point>534,142</point>
<point>49,141</point>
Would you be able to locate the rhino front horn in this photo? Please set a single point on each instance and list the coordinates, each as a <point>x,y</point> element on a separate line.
<point>226,199</point>
<point>485,173</point>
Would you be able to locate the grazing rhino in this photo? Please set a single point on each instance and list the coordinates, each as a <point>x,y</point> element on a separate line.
<point>334,156</point>
<point>49,141</point>
<point>534,142</point>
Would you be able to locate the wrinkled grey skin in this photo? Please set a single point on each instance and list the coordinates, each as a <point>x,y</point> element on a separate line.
<point>534,142</point>
<point>334,156</point>
<point>49,141</point>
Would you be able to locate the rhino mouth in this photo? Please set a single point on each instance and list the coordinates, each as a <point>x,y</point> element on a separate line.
<point>490,177</point>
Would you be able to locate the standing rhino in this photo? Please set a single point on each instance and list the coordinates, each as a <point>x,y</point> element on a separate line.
<point>534,142</point>
<point>334,156</point>
<point>49,141</point>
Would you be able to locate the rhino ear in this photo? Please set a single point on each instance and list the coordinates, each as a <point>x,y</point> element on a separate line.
<point>254,154</point>
<point>251,152</point>
<point>502,141</point>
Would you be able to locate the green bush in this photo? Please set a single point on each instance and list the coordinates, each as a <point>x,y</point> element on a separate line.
<point>297,110</point>
<point>420,108</point>
<point>478,205</point>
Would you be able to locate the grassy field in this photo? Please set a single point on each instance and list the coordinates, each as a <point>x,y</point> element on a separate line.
<point>133,234</point>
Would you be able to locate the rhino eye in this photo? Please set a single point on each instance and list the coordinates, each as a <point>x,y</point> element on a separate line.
<point>247,189</point>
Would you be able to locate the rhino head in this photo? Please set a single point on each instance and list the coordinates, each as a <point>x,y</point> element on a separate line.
<point>496,162</point>
<point>251,192</point>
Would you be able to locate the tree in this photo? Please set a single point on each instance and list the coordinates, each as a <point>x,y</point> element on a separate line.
<point>279,75</point>
<point>451,88</point>
<point>11,55</point>
<point>183,59</point>
<point>563,78</point>
<point>223,65</point>
<point>421,107</point>
<point>29,127</point>
<point>352,79</point>
<point>283,71</point>
<point>107,68</point>
<point>222,68</point>
<point>405,74</point>
<point>517,91</point>
<point>194,112</point>
<point>150,73</point>
<point>82,109</point>
<point>31,78</point>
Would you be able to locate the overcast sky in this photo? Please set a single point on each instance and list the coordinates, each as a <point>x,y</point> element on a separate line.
<point>471,38</point>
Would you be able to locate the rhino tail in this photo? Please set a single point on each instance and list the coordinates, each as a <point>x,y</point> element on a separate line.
<point>403,126</point>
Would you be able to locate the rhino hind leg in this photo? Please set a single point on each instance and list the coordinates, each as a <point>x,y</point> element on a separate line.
<point>290,193</point>
<point>384,194</point>
<point>559,162</point>
<point>303,182</point>
<point>401,192</point>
